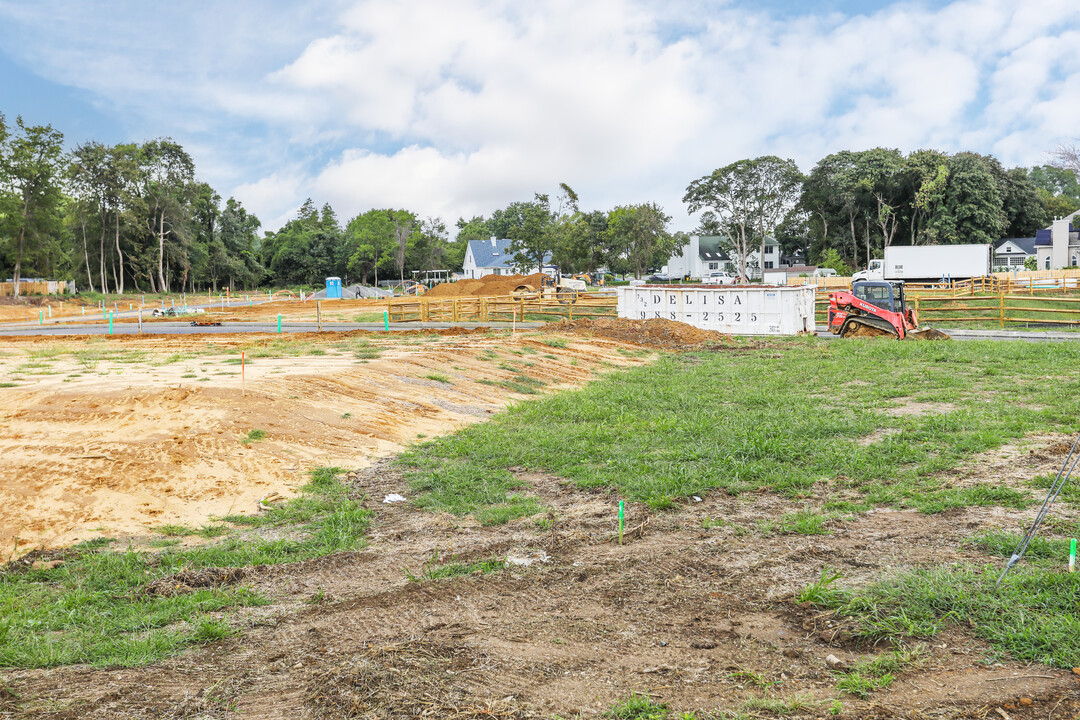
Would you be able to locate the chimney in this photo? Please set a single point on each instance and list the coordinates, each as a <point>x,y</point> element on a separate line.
<point>492,242</point>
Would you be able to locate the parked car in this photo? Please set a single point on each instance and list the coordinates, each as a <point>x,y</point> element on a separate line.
<point>719,278</point>
<point>661,278</point>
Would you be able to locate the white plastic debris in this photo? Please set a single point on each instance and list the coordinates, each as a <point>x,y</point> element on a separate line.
<point>696,498</point>
<point>526,557</point>
<point>394,498</point>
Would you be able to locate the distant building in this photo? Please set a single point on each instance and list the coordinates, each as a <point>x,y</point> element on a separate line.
<point>705,254</point>
<point>1058,246</point>
<point>492,257</point>
<point>1010,254</point>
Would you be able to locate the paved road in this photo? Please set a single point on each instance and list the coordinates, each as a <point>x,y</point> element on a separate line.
<point>185,328</point>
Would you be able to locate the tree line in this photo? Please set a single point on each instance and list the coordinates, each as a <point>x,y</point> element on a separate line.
<point>136,217</point>
<point>853,205</point>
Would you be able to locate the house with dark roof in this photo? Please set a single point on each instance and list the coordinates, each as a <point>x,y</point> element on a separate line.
<point>1058,246</point>
<point>492,257</point>
<point>1010,253</point>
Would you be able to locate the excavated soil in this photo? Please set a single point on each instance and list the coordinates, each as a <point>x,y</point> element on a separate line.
<point>487,286</point>
<point>111,436</point>
<point>655,332</point>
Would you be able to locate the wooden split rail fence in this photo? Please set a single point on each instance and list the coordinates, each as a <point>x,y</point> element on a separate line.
<point>500,309</point>
<point>1035,306</point>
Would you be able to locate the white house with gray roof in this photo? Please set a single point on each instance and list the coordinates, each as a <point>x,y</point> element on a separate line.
<point>492,257</point>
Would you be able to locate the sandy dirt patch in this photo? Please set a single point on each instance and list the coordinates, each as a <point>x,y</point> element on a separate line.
<point>111,437</point>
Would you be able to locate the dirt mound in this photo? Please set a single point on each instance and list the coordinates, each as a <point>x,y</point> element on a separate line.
<point>487,286</point>
<point>655,332</point>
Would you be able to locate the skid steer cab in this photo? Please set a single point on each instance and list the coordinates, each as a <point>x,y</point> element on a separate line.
<point>876,308</point>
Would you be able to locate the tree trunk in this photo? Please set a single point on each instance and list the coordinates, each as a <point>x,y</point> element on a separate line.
<point>120,257</point>
<point>866,236</point>
<point>101,263</point>
<point>18,257</point>
<point>854,242</point>
<point>86,255</point>
<point>161,254</point>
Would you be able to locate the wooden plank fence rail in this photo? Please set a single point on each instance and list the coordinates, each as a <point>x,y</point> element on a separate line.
<point>498,309</point>
<point>1000,309</point>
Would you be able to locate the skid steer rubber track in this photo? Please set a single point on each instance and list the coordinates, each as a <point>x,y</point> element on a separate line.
<point>858,329</point>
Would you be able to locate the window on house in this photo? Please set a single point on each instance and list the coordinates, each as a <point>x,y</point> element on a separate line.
<point>768,263</point>
<point>713,266</point>
<point>768,249</point>
<point>1047,262</point>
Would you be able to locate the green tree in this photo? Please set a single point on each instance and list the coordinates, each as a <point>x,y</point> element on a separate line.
<point>369,237</point>
<point>972,210</point>
<point>831,259</point>
<point>926,176</point>
<point>639,234</point>
<point>32,164</point>
<point>748,199</point>
<point>166,173</point>
<point>1024,210</point>
<point>238,236</point>
<point>529,230</point>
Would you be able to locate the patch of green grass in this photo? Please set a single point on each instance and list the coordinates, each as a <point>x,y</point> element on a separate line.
<point>879,672</point>
<point>751,678</point>
<point>555,342</point>
<point>1003,544</point>
<point>638,707</point>
<point>92,609</point>
<point>437,377</point>
<point>253,436</point>
<point>174,530</point>
<point>804,522</point>
<point>212,531</point>
<point>1031,615</point>
<point>658,433</point>
<point>8,384</point>
<point>436,571</point>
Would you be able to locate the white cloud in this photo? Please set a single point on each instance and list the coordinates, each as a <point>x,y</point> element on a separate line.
<point>458,108</point>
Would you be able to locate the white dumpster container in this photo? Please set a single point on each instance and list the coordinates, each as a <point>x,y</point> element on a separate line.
<point>750,310</point>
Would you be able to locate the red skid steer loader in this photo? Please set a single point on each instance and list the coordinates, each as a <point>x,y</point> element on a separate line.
<point>876,309</point>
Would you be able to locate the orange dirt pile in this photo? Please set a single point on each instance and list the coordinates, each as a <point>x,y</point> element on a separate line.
<point>655,332</point>
<point>487,286</point>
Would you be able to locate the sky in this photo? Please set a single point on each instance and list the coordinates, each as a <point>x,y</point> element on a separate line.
<point>455,109</point>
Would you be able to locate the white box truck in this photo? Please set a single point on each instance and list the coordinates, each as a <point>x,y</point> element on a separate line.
<point>929,263</point>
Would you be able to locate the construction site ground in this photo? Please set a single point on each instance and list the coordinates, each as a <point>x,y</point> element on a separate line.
<point>116,436</point>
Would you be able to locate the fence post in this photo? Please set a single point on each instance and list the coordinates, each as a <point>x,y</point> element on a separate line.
<point>1002,309</point>
<point>318,313</point>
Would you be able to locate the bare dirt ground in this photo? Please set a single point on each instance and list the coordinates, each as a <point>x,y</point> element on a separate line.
<point>107,438</point>
<point>703,619</point>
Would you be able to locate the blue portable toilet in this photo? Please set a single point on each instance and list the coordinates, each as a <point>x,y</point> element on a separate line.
<point>333,288</point>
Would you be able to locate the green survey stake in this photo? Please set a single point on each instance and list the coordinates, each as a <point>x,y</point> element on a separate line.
<point>620,521</point>
<point>1072,555</point>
